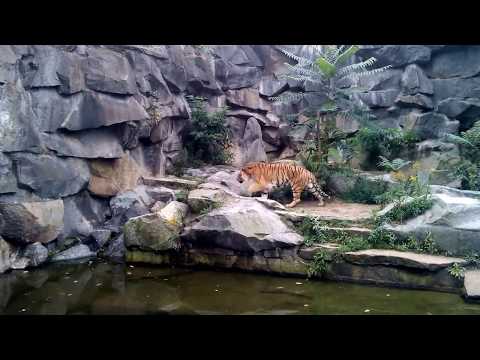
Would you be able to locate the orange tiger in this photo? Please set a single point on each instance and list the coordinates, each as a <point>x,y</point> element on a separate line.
<point>266,176</point>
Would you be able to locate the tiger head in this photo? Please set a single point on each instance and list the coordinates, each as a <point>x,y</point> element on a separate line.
<point>245,173</point>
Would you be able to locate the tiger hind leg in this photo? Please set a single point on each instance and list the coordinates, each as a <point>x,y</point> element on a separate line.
<point>317,192</point>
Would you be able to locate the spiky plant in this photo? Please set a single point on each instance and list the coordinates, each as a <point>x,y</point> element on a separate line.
<point>327,67</point>
<point>392,165</point>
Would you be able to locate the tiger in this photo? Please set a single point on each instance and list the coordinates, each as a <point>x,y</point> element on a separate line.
<point>266,176</point>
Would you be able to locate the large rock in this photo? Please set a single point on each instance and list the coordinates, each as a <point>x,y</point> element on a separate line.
<point>151,232</point>
<point>431,125</point>
<point>174,213</point>
<point>85,110</point>
<point>108,71</point>
<point>51,176</point>
<point>83,214</point>
<point>8,60</point>
<point>271,86</point>
<point>401,258</point>
<point>109,177</point>
<point>461,61</point>
<point>472,284</point>
<point>248,98</point>
<point>76,252</point>
<point>414,81</point>
<point>452,221</point>
<point>5,256</point>
<point>247,141</point>
<point>456,87</point>
<point>17,129</point>
<point>8,182</point>
<point>380,98</point>
<point>270,119</point>
<point>242,225</point>
<point>200,72</point>
<point>231,76</point>
<point>31,222</point>
<point>49,66</point>
<point>419,100</point>
<point>36,253</point>
<point>200,199</point>
<point>90,144</point>
<point>397,55</point>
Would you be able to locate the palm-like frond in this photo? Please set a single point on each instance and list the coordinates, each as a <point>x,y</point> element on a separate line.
<point>356,76</point>
<point>392,165</point>
<point>288,97</point>
<point>362,65</point>
<point>459,140</point>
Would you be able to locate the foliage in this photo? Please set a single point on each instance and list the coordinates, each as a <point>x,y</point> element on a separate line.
<point>392,165</point>
<point>365,191</point>
<point>319,264</point>
<point>327,66</point>
<point>209,139</point>
<point>355,243</point>
<point>468,170</point>
<point>404,210</point>
<point>384,143</point>
<point>457,271</point>
<point>212,206</point>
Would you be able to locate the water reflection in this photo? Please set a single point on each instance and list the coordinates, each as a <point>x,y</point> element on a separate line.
<point>106,288</point>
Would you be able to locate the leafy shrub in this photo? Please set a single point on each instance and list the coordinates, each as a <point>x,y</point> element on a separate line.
<point>405,210</point>
<point>365,191</point>
<point>468,170</point>
<point>208,138</point>
<point>319,264</point>
<point>376,141</point>
<point>355,243</point>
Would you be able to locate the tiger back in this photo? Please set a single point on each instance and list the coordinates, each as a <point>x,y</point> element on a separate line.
<point>265,176</point>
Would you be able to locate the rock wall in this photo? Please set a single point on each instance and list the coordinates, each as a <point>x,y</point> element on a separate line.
<point>81,125</point>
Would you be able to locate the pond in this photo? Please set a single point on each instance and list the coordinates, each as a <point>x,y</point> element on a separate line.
<point>97,287</point>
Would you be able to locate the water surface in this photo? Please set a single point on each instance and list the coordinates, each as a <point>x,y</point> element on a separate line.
<point>96,287</point>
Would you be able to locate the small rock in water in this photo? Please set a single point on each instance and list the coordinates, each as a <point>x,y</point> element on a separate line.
<point>306,305</point>
<point>299,283</point>
<point>99,284</point>
<point>279,287</point>
<point>131,266</point>
<point>388,294</point>
<point>366,310</point>
<point>69,294</point>
<point>129,273</point>
<point>23,310</point>
<point>75,281</point>
<point>25,271</point>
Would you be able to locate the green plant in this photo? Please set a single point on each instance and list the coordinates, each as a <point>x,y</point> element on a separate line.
<point>457,271</point>
<point>319,263</point>
<point>354,243</point>
<point>407,209</point>
<point>208,138</point>
<point>468,170</point>
<point>327,66</point>
<point>384,143</point>
<point>212,206</point>
<point>365,191</point>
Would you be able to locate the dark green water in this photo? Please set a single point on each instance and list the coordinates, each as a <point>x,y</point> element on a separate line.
<point>105,288</point>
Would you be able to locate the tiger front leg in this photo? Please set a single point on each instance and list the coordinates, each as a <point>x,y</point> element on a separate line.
<point>296,197</point>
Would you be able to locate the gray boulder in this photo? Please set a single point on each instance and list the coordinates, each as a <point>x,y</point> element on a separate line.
<point>130,204</point>
<point>17,130</point>
<point>79,251</point>
<point>30,222</point>
<point>461,61</point>
<point>456,87</point>
<point>242,225</point>
<point>8,182</point>
<point>51,176</point>
<point>452,221</point>
<point>101,237</point>
<point>151,232</point>
<point>8,60</point>
<point>418,100</point>
<point>248,98</point>
<point>397,55</point>
<point>231,76</point>
<point>5,256</point>
<point>109,71</point>
<point>431,125</point>
<point>380,98</point>
<point>115,249</point>
<point>83,214</point>
<point>414,81</point>
<point>271,86</point>
<point>90,144</point>
<point>247,142</point>
<point>49,66</point>
<point>36,253</point>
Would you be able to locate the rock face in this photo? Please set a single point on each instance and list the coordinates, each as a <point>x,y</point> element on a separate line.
<point>151,232</point>
<point>76,252</point>
<point>244,226</point>
<point>5,253</point>
<point>452,221</point>
<point>30,222</point>
<point>51,177</point>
